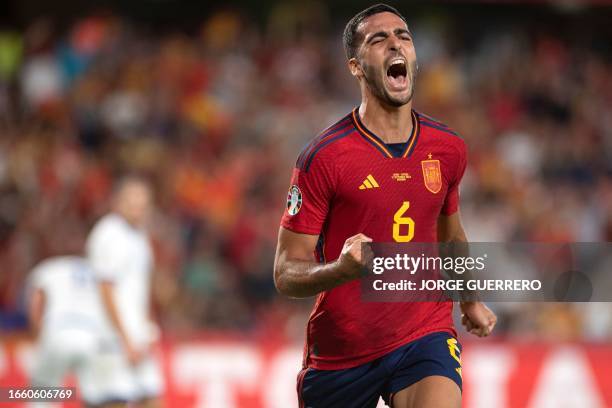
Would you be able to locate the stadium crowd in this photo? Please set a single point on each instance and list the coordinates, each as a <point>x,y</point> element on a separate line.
<point>217,117</point>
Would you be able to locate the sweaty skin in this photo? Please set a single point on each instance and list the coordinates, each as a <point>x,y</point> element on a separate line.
<point>386,106</point>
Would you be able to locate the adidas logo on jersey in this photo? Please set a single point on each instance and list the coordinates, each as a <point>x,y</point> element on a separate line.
<point>369,182</point>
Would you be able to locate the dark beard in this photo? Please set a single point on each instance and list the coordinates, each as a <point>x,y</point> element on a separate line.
<point>377,87</point>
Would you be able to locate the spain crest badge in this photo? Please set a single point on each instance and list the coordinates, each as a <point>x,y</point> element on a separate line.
<point>432,175</point>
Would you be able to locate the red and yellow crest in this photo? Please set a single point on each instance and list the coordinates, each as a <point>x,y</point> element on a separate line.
<point>432,175</point>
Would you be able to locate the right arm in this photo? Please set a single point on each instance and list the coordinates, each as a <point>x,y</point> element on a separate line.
<point>108,302</point>
<point>296,271</point>
<point>297,274</point>
<point>106,255</point>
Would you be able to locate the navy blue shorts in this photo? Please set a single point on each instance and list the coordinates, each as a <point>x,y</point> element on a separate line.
<point>361,387</point>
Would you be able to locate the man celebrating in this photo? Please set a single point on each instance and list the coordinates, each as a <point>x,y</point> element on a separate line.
<point>383,173</point>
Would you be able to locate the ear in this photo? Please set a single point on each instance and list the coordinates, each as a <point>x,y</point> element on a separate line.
<point>355,68</point>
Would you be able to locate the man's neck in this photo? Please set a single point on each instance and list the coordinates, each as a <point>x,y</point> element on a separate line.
<point>392,124</point>
<point>125,219</point>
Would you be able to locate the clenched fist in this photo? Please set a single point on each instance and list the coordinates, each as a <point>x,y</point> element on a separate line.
<point>477,318</point>
<point>355,256</point>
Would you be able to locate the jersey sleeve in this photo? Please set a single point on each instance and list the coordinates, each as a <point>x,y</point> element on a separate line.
<point>41,277</point>
<point>105,253</point>
<point>451,201</point>
<point>36,280</point>
<point>309,197</point>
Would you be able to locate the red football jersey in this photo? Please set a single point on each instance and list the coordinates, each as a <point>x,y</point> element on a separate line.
<point>347,181</point>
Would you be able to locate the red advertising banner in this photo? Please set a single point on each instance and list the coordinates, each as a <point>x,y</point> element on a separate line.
<point>231,373</point>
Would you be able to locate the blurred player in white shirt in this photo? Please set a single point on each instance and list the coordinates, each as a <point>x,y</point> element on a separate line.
<point>120,255</point>
<point>66,312</point>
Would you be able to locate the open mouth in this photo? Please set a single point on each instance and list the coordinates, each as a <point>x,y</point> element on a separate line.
<point>396,74</point>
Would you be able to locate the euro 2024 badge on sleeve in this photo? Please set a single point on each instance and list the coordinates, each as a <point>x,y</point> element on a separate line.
<point>294,200</point>
<point>432,175</point>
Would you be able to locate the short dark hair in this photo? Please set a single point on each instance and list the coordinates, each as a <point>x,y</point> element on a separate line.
<point>122,180</point>
<point>351,38</point>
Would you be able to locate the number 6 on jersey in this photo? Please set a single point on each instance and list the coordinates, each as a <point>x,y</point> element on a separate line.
<point>398,220</point>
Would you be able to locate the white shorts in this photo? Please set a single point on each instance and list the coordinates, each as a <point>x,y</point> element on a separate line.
<point>103,373</point>
<point>130,382</point>
<point>64,352</point>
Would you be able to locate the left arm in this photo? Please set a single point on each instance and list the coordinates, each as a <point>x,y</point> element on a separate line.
<point>477,318</point>
<point>36,308</point>
<point>450,228</point>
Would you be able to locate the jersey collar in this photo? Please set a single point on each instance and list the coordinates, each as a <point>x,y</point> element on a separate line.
<point>375,141</point>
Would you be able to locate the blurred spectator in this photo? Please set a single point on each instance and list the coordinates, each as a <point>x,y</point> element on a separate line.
<point>218,119</point>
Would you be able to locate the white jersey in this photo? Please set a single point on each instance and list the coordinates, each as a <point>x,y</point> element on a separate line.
<point>72,298</point>
<point>121,254</point>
